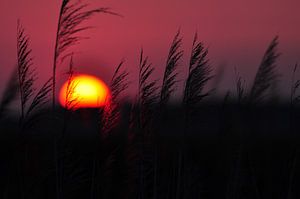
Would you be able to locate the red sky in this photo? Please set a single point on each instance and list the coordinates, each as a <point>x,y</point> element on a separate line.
<point>237,33</point>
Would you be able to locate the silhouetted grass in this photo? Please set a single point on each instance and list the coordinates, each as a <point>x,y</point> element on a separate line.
<point>26,79</point>
<point>266,74</point>
<point>170,74</point>
<point>26,73</point>
<point>148,148</point>
<point>199,74</point>
<point>111,112</point>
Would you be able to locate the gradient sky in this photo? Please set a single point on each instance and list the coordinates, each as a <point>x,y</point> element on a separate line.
<point>237,33</point>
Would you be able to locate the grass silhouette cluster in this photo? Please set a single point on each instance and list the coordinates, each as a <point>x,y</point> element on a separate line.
<point>149,148</point>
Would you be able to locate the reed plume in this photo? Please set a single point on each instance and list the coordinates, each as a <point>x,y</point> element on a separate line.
<point>26,73</point>
<point>119,83</point>
<point>147,92</point>
<point>167,88</point>
<point>266,74</point>
<point>170,74</point>
<point>199,74</point>
<point>72,14</point>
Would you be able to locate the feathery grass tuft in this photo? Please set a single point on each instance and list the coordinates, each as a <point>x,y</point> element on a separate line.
<point>147,92</point>
<point>170,74</point>
<point>26,73</point>
<point>199,75</point>
<point>266,74</point>
<point>27,77</point>
<point>111,115</point>
<point>72,14</point>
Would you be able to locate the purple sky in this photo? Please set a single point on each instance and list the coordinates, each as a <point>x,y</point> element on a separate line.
<point>237,33</point>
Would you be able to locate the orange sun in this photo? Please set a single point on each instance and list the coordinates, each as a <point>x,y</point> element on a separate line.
<point>84,91</point>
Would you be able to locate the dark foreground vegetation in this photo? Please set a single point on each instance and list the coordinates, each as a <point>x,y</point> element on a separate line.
<point>228,152</point>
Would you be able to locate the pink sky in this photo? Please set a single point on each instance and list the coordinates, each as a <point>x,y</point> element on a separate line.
<point>237,33</point>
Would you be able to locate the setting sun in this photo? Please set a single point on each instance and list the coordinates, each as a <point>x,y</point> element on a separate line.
<point>84,91</point>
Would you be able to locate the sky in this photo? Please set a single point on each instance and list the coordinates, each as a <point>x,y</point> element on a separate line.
<point>236,32</point>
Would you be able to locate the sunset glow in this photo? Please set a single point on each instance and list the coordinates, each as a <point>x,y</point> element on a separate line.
<point>85,91</point>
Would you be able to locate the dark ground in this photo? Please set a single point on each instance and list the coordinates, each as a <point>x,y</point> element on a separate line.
<point>226,152</point>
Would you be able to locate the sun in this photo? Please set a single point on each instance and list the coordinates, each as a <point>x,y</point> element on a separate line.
<point>84,91</point>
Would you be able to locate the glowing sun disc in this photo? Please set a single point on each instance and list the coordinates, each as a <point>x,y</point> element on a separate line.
<point>85,91</point>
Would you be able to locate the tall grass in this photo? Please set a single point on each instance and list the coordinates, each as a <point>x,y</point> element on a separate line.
<point>71,16</point>
<point>71,101</point>
<point>26,80</point>
<point>110,121</point>
<point>147,100</point>
<point>199,73</point>
<point>265,78</point>
<point>294,101</point>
